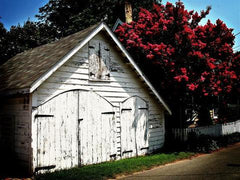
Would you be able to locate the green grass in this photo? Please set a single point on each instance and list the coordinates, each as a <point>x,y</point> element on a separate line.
<point>111,169</point>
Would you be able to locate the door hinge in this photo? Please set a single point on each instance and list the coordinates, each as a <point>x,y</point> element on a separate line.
<point>127,151</point>
<point>108,112</point>
<point>144,148</point>
<point>43,115</point>
<point>44,168</point>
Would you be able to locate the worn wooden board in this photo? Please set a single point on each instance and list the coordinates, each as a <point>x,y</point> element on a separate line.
<point>99,60</point>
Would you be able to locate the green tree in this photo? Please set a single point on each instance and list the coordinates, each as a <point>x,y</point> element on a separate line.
<point>3,44</point>
<point>69,16</point>
<point>59,18</point>
<point>20,38</point>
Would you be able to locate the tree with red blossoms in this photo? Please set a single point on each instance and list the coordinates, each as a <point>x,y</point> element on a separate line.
<point>190,64</point>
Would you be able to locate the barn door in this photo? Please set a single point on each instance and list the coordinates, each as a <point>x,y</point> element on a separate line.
<point>97,129</point>
<point>75,128</point>
<point>134,127</point>
<point>56,132</point>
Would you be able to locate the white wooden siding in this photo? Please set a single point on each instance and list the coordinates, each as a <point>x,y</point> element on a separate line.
<point>123,83</point>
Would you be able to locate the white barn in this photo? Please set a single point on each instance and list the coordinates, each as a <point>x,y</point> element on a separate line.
<point>77,101</point>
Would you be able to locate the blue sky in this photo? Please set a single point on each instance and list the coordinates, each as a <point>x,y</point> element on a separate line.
<point>18,11</point>
<point>13,12</point>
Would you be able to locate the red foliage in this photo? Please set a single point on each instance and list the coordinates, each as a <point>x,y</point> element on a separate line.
<point>200,58</point>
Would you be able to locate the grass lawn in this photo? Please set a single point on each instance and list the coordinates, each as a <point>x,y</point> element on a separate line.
<point>111,169</point>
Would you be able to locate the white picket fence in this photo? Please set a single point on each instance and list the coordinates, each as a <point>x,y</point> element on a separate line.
<point>213,130</point>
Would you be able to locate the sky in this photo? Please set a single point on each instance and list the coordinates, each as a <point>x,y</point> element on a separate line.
<point>13,12</point>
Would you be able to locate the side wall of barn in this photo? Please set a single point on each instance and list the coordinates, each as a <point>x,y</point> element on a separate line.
<point>15,133</point>
<point>122,84</point>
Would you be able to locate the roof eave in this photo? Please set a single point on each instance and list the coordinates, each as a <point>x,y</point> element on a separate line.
<point>15,92</point>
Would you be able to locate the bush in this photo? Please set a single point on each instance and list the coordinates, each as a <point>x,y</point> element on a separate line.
<point>207,144</point>
<point>202,143</point>
<point>228,139</point>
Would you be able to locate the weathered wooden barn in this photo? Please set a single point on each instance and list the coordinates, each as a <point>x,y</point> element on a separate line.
<point>77,101</point>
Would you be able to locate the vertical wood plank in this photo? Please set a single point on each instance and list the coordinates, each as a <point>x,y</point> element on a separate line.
<point>83,116</point>
<point>128,128</point>
<point>105,61</point>
<point>142,126</point>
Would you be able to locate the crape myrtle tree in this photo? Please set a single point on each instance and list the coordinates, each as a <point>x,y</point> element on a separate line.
<point>192,65</point>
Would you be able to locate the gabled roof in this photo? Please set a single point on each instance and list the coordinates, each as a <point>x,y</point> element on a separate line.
<point>28,70</point>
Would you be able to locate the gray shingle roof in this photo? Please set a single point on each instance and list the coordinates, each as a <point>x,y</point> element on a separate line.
<point>22,70</point>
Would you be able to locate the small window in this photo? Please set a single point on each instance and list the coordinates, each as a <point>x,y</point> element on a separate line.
<point>99,61</point>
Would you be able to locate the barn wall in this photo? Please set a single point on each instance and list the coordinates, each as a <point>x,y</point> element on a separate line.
<point>15,134</point>
<point>123,84</point>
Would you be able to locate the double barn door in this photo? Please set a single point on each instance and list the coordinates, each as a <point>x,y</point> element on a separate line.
<point>75,128</point>
<point>79,128</point>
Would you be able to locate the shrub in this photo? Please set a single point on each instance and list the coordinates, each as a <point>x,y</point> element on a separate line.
<point>207,144</point>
